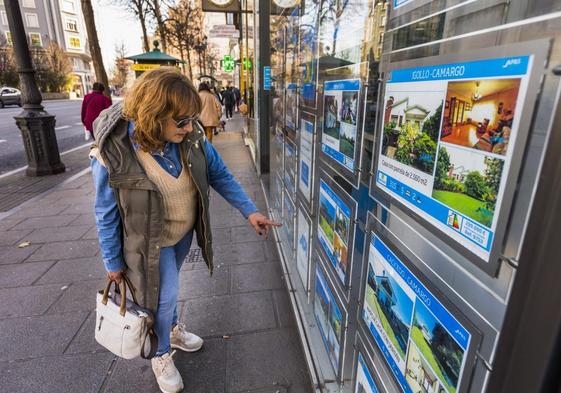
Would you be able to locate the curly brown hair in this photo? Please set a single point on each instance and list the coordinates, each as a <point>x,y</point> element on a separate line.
<point>156,96</point>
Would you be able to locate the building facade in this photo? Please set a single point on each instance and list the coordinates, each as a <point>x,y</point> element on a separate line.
<point>60,21</point>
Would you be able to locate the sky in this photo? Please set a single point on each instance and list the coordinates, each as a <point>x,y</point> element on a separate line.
<point>115,25</point>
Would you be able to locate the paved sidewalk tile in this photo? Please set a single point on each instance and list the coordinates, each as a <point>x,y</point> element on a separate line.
<point>22,274</point>
<point>66,250</point>
<point>27,301</point>
<point>14,254</point>
<point>72,270</point>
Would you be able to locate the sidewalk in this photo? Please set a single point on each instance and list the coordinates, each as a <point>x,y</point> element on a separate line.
<point>47,293</point>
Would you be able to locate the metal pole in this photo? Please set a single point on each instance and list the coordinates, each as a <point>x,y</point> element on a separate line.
<point>36,125</point>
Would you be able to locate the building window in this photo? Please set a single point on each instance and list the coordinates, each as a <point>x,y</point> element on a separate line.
<point>32,20</point>
<point>71,25</point>
<point>9,38</point>
<point>4,18</point>
<point>74,43</point>
<point>69,6</point>
<point>28,3</point>
<point>35,39</point>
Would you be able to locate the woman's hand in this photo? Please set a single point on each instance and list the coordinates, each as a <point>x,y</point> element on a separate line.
<point>261,224</point>
<point>115,276</point>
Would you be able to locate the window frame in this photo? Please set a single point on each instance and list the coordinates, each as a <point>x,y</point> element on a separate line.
<point>38,35</point>
<point>30,4</point>
<point>68,2</point>
<point>31,14</point>
<point>68,20</point>
<point>69,42</point>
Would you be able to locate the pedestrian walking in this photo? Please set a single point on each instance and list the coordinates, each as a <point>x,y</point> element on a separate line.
<point>94,102</point>
<point>229,100</point>
<point>238,97</point>
<point>210,112</point>
<point>161,169</point>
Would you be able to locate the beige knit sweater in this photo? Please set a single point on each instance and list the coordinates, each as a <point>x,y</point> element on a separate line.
<point>179,196</point>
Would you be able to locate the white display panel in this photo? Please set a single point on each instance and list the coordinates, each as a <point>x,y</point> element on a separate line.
<point>306,156</point>
<point>447,141</point>
<point>340,117</point>
<point>364,380</point>
<point>424,344</point>
<point>288,211</point>
<point>290,166</point>
<point>303,249</point>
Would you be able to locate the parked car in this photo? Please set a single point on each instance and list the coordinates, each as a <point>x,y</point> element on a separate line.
<point>9,96</point>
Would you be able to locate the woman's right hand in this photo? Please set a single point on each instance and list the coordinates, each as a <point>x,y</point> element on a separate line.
<point>115,276</point>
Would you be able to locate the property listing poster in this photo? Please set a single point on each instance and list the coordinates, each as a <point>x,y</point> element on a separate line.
<point>334,229</point>
<point>364,380</point>
<point>306,162</point>
<point>303,247</point>
<point>340,115</point>
<point>447,141</point>
<point>291,106</point>
<point>288,221</point>
<point>424,345</point>
<point>290,166</point>
<point>329,317</point>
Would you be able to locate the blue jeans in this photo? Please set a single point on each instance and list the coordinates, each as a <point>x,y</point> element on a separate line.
<point>171,259</point>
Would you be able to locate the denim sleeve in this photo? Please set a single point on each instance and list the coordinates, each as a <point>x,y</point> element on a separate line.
<point>224,183</point>
<point>107,219</point>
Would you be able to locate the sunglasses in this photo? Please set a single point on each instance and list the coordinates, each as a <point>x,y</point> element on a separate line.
<point>185,120</point>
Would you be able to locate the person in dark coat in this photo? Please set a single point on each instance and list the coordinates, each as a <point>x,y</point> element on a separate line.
<point>238,96</point>
<point>229,99</point>
<point>94,102</point>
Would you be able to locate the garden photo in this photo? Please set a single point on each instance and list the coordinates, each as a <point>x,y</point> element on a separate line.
<point>348,140</point>
<point>437,347</point>
<point>411,129</point>
<point>479,114</point>
<point>342,223</point>
<point>332,124</point>
<point>468,182</point>
<point>391,306</point>
<point>326,218</point>
<point>349,108</point>
<point>340,251</point>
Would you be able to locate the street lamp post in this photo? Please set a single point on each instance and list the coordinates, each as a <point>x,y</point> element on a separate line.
<point>36,125</point>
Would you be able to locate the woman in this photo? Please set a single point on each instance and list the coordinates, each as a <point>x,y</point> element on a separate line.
<point>211,110</point>
<point>152,171</point>
<point>94,102</point>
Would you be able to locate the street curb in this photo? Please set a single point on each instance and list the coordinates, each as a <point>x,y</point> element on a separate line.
<point>13,210</point>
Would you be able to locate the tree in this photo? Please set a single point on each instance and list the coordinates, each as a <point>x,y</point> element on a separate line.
<point>431,126</point>
<point>140,9</point>
<point>184,27</point>
<point>8,71</point>
<point>97,58</point>
<point>442,168</point>
<point>155,9</point>
<point>493,173</point>
<point>60,67</point>
<point>424,149</point>
<point>405,143</point>
<point>475,185</point>
<point>121,70</point>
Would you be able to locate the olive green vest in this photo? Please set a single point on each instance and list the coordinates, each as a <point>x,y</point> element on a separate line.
<point>140,202</point>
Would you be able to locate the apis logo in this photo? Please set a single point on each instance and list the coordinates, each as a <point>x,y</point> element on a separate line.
<point>509,62</point>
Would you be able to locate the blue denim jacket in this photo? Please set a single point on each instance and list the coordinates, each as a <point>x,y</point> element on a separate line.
<point>107,215</point>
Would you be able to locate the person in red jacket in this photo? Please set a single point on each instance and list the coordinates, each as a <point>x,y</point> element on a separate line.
<point>94,102</point>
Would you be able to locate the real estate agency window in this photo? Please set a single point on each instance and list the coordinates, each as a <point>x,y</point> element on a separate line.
<point>28,3</point>
<point>71,24</point>
<point>31,20</point>
<point>35,39</point>
<point>74,43</point>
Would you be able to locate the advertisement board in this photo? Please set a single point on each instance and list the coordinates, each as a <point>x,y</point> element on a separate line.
<point>424,344</point>
<point>447,142</point>
<point>340,117</point>
<point>364,379</point>
<point>335,228</point>
<point>291,106</point>
<point>303,249</point>
<point>290,166</point>
<point>329,317</point>
<point>288,215</point>
<point>306,156</point>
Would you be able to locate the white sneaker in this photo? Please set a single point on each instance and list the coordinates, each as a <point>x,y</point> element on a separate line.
<point>181,339</point>
<point>168,377</point>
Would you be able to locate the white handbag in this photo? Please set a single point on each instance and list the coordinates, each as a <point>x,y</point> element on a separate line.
<point>121,325</point>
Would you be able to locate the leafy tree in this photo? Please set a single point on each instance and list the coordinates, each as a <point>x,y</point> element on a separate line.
<point>475,185</point>
<point>442,168</point>
<point>406,142</point>
<point>431,126</point>
<point>424,149</point>
<point>493,172</point>
<point>8,71</point>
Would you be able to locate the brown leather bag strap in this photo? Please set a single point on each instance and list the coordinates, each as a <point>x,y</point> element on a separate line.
<point>123,292</point>
<point>153,345</point>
